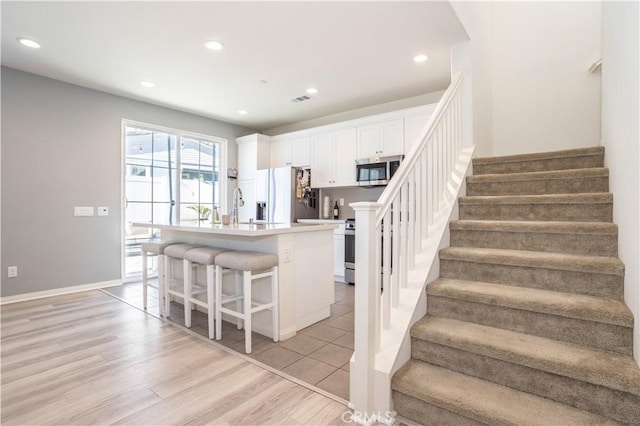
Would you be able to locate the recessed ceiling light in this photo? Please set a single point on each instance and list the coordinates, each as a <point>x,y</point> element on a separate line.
<point>420,58</point>
<point>242,112</point>
<point>146,84</point>
<point>29,43</point>
<point>312,90</point>
<point>214,45</point>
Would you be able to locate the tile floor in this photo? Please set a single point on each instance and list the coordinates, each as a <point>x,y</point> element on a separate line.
<point>318,354</point>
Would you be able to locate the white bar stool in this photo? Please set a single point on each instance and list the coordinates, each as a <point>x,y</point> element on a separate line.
<point>154,247</point>
<point>200,256</point>
<point>174,252</point>
<point>248,262</point>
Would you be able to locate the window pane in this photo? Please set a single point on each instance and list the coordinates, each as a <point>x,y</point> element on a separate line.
<point>138,212</point>
<point>163,213</point>
<point>164,184</point>
<point>139,146</point>
<point>164,150</point>
<point>138,188</point>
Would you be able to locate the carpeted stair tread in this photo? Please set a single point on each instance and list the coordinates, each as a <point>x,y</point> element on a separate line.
<point>535,259</point>
<point>585,228</point>
<point>567,153</point>
<point>604,368</point>
<point>581,238</point>
<point>587,198</point>
<point>542,175</point>
<point>484,401</point>
<point>542,161</point>
<point>569,305</point>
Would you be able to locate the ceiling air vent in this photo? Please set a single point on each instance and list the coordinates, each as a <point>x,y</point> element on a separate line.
<point>301,98</point>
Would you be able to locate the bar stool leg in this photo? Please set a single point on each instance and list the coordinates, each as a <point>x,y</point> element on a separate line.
<point>246,281</point>
<point>167,296</point>
<point>275,301</point>
<point>239,284</point>
<point>160,285</point>
<point>144,279</point>
<point>187,277</point>
<point>210,299</point>
<point>218,302</point>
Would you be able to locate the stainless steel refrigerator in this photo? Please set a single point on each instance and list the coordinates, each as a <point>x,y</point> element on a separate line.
<point>284,195</point>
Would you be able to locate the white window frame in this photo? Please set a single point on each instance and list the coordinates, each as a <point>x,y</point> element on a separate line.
<point>222,173</point>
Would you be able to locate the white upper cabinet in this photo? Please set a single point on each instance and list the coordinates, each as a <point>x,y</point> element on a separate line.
<point>254,153</point>
<point>301,152</point>
<point>381,139</point>
<point>333,159</point>
<point>280,153</point>
<point>322,161</point>
<point>292,152</point>
<point>413,128</point>
<point>344,143</point>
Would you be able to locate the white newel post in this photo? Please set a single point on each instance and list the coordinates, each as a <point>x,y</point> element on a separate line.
<point>366,323</point>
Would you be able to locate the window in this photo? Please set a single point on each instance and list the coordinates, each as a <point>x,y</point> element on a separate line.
<point>170,177</point>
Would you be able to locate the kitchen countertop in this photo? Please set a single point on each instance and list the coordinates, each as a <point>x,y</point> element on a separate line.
<point>305,298</point>
<point>334,221</point>
<point>246,229</point>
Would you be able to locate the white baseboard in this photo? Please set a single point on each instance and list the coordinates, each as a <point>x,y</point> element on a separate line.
<point>58,291</point>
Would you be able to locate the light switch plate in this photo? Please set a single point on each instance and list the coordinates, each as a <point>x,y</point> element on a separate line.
<point>103,211</point>
<point>83,211</point>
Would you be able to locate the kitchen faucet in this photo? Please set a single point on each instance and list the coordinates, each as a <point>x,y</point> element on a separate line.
<point>237,200</point>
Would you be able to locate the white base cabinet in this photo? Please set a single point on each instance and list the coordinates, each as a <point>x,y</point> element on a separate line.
<point>338,254</point>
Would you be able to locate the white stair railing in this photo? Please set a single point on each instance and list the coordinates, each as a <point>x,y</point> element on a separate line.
<point>392,236</point>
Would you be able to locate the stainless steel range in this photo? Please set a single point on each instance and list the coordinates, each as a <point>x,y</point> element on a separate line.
<point>350,251</point>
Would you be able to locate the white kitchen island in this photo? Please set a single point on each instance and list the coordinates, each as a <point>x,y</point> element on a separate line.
<point>305,253</point>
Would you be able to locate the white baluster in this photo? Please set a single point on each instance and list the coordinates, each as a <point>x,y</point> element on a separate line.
<point>395,251</point>
<point>386,270</point>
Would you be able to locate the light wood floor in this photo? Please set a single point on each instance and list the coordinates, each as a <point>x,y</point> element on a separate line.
<point>88,358</point>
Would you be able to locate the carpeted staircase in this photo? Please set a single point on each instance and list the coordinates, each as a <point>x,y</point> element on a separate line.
<point>526,324</point>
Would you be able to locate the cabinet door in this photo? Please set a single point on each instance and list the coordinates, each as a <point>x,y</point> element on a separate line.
<point>338,255</point>
<point>413,128</point>
<point>280,154</point>
<point>322,161</point>
<point>248,188</point>
<point>345,143</point>
<point>247,158</point>
<point>368,141</point>
<point>301,152</point>
<point>392,138</point>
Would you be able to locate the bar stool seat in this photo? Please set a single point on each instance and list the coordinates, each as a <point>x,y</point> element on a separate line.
<point>250,264</point>
<point>174,252</point>
<point>200,256</point>
<point>154,247</point>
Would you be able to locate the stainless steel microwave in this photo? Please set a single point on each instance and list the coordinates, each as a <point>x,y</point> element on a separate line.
<point>377,171</point>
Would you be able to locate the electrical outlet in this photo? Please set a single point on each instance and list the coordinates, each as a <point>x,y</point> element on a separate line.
<point>103,211</point>
<point>12,271</point>
<point>286,251</point>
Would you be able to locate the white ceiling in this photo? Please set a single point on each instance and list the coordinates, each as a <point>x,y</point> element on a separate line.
<point>356,53</point>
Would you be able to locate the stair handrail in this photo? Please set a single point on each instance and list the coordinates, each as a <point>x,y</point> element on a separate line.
<point>386,198</point>
<point>416,196</point>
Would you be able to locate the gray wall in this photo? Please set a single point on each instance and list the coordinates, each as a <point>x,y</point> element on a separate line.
<point>61,147</point>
